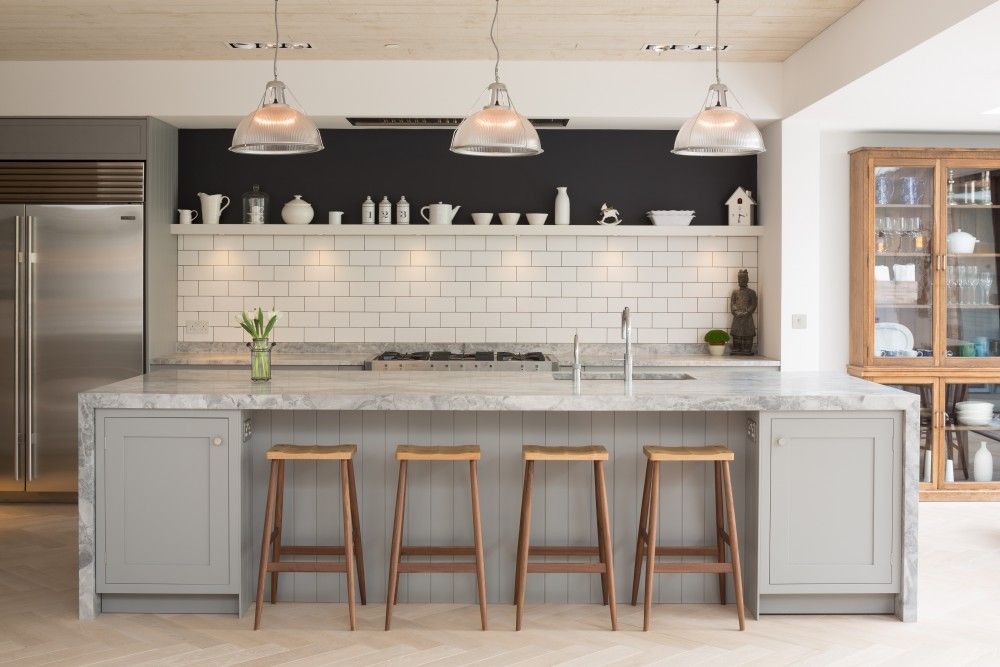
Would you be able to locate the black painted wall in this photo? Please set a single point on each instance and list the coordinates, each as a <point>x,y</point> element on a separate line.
<point>633,171</point>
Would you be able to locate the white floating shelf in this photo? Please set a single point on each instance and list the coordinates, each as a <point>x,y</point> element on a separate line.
<point>466,230</point>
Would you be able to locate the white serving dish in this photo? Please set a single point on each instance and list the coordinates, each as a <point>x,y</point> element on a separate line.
<point>974,404</point>
<point>892,337</point>
<point>976,421</point>
<point>672,218</point>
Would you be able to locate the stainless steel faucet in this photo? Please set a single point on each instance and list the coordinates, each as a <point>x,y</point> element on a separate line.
<point>577,366</point>
<point>627,335</point>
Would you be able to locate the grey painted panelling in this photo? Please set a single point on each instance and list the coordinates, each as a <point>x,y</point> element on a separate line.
<point>72,138</point>
<point>438,508</point>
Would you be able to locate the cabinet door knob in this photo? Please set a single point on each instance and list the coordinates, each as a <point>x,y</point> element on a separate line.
<point>216,441</point>
<point>782,442</point>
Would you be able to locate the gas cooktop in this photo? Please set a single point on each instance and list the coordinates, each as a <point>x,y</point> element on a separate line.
<point>443,360</point>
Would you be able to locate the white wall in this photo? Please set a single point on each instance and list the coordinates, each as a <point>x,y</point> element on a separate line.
<point>769,169</point>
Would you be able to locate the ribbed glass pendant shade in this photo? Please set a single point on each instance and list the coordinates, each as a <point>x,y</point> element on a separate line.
<point>497,130</point>
<point>718,130</point>
<point>276,127</point>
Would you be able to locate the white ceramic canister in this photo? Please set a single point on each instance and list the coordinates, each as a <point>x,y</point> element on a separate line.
<point>297,211</point>
<point>385,211</point>
<point>402,211</point>
<point>562,206</point>
<point>336,217</point>
<point>368,211</point>
<point>982,464</point>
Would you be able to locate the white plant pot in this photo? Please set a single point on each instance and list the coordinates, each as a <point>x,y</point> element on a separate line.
<point>716,350</point>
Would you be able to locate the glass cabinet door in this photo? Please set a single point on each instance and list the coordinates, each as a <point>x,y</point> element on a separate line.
<point>904,265</point>
<point>972,315</point>
<point>924,387</point>
<point>971,447</point>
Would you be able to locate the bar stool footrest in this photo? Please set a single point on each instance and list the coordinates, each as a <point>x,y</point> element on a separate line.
<point>582,568</point>
<point>287,550</point>
<point>418,566</point>
<point>692,568</point>
<point>437,551</point>
<point>688,551</point>
<point>563,551</point>
<point>285,566</point>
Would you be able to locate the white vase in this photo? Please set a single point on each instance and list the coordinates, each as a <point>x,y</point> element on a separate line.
<point>982,465</point>
<point>297,212</point>
<point>949,471</point>
<point>562,206</point>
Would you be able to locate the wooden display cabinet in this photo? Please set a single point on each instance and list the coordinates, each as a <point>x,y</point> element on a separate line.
<point>925,312</point>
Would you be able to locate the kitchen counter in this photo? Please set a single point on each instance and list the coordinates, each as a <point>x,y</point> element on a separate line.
<point>837,430</point>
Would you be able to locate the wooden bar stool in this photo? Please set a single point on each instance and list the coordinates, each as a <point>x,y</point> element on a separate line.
<point>645,544</point>
<point>271,549</point>
<point>405,454</point>
<point>604,549</point>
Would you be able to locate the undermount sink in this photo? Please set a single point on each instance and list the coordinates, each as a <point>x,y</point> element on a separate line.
<point>619,374</point>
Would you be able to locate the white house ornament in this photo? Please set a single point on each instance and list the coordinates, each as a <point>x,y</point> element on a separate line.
<point>740,205</point>
<point>609,216</point>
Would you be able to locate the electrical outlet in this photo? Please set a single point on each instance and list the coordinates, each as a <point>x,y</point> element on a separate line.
<point>799,321</point>
<point>197,327</point>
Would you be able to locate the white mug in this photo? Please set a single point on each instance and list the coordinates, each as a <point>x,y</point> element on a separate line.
<point>212,207</point>
<point>186,216</point>
<point>336,217</point>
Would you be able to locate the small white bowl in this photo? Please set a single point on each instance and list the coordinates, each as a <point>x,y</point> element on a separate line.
<point>482,218</point>
<point>536,218</point>
<point>976,421</point>
<point>509,218</point>
<point>674,218</point>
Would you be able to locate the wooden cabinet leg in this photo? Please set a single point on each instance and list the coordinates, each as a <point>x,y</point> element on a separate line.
<point>734,546</point>
<point>477,527</point>
<point>604,524</point>
<point>522,543</point>
<point>654,507</point>
<point>397,540</point>
<point>272,487</point>
<point>642,532</point>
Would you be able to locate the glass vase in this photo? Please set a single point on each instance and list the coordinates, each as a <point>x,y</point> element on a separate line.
<point>260,359</point>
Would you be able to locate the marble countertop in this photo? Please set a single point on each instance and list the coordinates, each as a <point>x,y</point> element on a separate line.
<point>716,389</point>
<point>278,359</point>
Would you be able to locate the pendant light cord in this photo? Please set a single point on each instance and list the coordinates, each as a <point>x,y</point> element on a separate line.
<point>277,43</point>
<point>717,79</point>
<point>493,25</point>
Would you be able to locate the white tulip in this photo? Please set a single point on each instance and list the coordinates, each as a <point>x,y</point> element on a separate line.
<point>273,313</point>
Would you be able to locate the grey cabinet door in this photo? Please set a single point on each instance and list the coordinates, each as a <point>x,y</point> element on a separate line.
<point>833,488</point>
<point>166,501</point>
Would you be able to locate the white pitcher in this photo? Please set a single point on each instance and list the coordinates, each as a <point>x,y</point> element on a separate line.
<point>440,214</point>
<point>212,207</point>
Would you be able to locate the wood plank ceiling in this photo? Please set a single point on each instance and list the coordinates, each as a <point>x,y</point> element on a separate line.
<point>756,30</point>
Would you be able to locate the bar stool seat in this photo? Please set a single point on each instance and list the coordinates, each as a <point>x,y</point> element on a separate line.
<point>272,549</point>
<point>397,566</point>
<point>604,549</point>
<point>725,529</point>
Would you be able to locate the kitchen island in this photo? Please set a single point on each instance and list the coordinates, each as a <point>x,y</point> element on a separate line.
<point>175,525</point>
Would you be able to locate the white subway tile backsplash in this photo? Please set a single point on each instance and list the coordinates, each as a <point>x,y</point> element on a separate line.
<point>440,289</point>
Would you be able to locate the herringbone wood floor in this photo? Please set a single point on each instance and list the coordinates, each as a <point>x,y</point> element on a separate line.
<point>959,609</point>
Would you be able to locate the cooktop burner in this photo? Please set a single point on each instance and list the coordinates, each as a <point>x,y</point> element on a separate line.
<point>444,355</point>
<point>453,361</point>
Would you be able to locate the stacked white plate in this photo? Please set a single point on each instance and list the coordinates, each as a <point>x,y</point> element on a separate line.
<point>677,218</point>
<point>974,413</point>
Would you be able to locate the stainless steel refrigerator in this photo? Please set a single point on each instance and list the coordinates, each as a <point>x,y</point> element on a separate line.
<point>71,319</point>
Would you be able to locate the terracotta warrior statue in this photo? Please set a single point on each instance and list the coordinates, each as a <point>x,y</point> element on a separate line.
<point>743,304</point>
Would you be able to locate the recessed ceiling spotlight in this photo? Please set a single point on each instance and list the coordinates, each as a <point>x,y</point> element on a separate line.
<point>269,45</point>
<point>661,48</point>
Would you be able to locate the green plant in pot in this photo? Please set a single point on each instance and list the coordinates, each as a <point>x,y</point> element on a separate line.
<point>716,339</point>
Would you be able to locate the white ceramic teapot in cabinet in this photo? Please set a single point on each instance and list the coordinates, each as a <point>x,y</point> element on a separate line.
<point>440,214</point>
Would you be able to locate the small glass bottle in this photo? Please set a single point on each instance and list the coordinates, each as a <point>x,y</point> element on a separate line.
<point>255,205</point>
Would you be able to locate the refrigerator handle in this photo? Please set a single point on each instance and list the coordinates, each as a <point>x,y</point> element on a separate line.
<point>19,260</point>
<point>29,430</point>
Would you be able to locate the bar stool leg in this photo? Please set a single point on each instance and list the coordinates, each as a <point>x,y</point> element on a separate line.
<point>734,546</point>
<point>397,541</point>
<point>477,527</point>
<point>719,528</point>
<point>279,505</point>
<point>643,532</point>
<point>272,488</point>
<point>345,494</point>
<point>601,547</point>
<point>654,507</point>
<point>359,554</point>
<point>604,525</point>
<point>522,542</point>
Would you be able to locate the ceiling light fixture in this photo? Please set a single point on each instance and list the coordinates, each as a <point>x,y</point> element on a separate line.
<point>497,130</point>
<point>269,45</point>
<point>719,130</point>
<point>663,48</point>
<point>276,127</point>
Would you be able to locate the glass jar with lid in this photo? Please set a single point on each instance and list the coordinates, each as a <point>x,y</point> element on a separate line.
<point>255,206</point>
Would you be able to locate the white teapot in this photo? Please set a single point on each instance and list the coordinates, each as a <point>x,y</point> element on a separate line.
<point>440,214</point>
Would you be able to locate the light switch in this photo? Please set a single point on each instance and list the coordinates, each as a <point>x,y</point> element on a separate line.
<point>799,321</point>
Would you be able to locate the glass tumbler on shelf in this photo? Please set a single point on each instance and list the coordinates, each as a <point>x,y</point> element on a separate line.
<point>255,205</point>
<point>986,284</point>
<point>260,359</point>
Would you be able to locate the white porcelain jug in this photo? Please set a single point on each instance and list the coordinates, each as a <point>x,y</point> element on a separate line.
<point>212,207</point>
<point>440,214</point>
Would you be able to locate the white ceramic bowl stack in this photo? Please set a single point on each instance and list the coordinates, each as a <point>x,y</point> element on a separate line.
<point>974,413</point>
<point>672,218</point>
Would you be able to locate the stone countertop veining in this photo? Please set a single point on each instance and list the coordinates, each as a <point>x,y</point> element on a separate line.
<point>711,389</point>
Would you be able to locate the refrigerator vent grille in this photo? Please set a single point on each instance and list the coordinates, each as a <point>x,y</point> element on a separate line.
<point>71,182</point>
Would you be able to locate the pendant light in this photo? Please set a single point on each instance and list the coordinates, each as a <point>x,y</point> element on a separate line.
<point>719,130</point>
<point>276,127</point>
<point>497,130</point>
